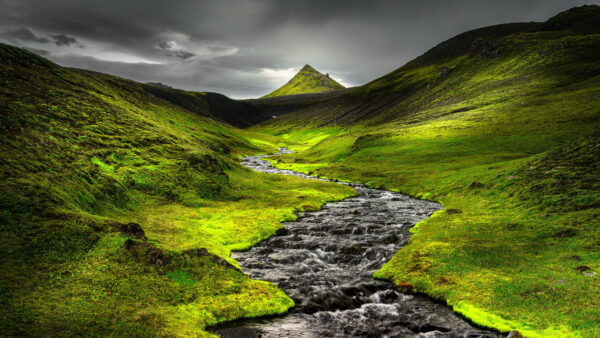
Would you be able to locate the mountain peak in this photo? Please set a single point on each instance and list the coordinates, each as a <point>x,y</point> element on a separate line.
<point>307,80</point>
<point>308,67</point>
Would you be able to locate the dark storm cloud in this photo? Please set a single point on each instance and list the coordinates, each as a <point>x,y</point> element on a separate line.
<point>22,35</point>
<point>182,54</point>
<point>64,40</point>
<point>247,48</point>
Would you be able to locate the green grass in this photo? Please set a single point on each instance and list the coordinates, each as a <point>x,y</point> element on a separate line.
<point>509,145</point>
<point>83,149</point>
<point>308,80</point>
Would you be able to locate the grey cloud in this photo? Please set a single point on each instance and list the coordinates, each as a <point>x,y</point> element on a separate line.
<point>352,39</point>
<point>165,45</point>
<point>196,75</point>
<point>182,54</point>
<point>173,50</point>
<point>64,40</point>
<point>23,35</point>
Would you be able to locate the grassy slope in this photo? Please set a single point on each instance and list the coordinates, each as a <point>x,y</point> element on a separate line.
<point>507,140</point>
<point>308,80</point>
<point>81,150</point>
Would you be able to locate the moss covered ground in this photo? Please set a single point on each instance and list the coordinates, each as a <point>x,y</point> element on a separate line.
<point>84,155</point>
<point>502,129</point>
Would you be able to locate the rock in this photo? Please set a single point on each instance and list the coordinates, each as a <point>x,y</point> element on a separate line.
<point>583,268</point>
<point>388,296</point>
<point>453,211</point>
<point>198,252</point>
<point>514,334</point>
<point>146,252</point>
<point>296,238</point>
<point>203,252</point>
<point>130,244</point>
<point>342,231</point>
<point>476,185</point>
<point>278,243</point>
<point>391,239</point>
<point>357,231</point>
<point>156,256</point>
<point>130,229</point>
<point>239,332</point>
<point>443,73</point>
<point>328,302</point>
<point>282,232</point>
<point>352,250</point>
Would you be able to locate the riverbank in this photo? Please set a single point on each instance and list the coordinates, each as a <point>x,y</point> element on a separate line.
<point>513,247</point>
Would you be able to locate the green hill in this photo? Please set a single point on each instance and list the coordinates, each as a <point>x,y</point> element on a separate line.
<point>308,80</point>
<point>120,203</point>
<point>500,125</point>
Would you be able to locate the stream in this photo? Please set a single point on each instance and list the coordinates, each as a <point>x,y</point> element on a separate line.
<point>325,262</point>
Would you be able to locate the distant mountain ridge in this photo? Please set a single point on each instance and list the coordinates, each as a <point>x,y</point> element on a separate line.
<point>308,80</point>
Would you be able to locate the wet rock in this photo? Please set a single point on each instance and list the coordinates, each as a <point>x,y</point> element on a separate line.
<point>278,243</point>
<point>388,296</point>
<point>282,232</point>
<point>514,334</point>
<point>343,231</point>
<point>328,302</point>
<point>295,238</point>
<point>352,250</point>
<point>391,239</point>
<point>429,327</point>
<point>357,231</point>
<point>238,332</point>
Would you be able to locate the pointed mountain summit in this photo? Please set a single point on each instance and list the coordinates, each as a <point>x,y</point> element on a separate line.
<point>308,80</point>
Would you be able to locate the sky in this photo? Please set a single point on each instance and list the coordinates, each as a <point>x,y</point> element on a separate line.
<point>244,48</point>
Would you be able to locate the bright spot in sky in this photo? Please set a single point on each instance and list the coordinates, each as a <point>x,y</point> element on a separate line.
<point>277,75</point>
<point>120,57</point>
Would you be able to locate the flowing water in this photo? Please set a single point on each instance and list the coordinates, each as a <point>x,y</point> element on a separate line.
<point>325,262</point>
